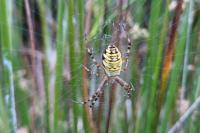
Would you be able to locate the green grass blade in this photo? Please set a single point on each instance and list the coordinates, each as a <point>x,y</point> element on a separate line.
<point>4,121</point>
<point>46,40</point>
<point>153,114</point>
<point>8,80</point>
<point>73,60</point>
<point>59,64</point>
<point>152,46</point>
<point>175,76</point>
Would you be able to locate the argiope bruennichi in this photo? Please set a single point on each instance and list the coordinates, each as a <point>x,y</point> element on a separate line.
<point>112,65</point>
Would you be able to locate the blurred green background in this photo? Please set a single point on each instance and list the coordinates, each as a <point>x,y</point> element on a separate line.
<point>43,55</point>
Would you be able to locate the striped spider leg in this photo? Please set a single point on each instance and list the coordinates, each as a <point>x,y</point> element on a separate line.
<point>112,65</point>
<point>92,57</point>
<point>128,48</point>
<point>98,66</point>
<point>90,53</point>
<point>127,55</point>
<point>91,101</point>
<point>128,88</point>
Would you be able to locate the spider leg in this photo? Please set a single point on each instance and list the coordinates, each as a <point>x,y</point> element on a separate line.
<point>90,71</point>
<point>93,58</point>
<point>128,49</point>
<point>127,54</point>
<point>128,88</point>
<point>90,52</point>
<point>98,65</point>
<point>91,101</point>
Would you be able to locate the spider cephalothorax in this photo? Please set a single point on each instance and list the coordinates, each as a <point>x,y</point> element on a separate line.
<point>112,64</point>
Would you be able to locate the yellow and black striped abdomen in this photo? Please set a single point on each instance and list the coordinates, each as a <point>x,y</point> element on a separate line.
<point>112,61</point>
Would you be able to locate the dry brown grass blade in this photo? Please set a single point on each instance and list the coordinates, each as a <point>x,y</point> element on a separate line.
<point>85,62</point>
<point>115,38</point>
<point>111,103</point>
<point>168,57</point>
<point>32,45</point>
<point>101,100</point>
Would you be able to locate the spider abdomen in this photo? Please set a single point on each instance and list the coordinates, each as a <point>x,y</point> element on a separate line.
<point>112,61</point>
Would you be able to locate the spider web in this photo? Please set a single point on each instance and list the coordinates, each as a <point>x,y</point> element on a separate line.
<point>93,80</point>
<point>93,40</point>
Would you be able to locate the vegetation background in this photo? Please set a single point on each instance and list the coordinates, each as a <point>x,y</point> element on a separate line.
<point>43,55</point>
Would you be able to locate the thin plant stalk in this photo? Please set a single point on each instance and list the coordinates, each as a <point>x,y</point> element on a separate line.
<point>6,60</point>
<point>43,14</point>
<point>186,54</point>
<point>31,35</point>
<point>170,48</point>
<point>88,111</point>
<point>115,37</point>
<point>10,100</point>
<point>185,116</point>
<point>72,54</point>
<point>32,45</point>
<point>174,77</point>
<point>104,31</point>
<point>82,52</point>
<point>59,64</point>
<point>152,47</point>
<point>4,121</point>
<point>111,104</point>
<point>153,115</point>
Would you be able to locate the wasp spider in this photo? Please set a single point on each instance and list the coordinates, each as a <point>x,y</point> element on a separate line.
<point>112,65</point>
